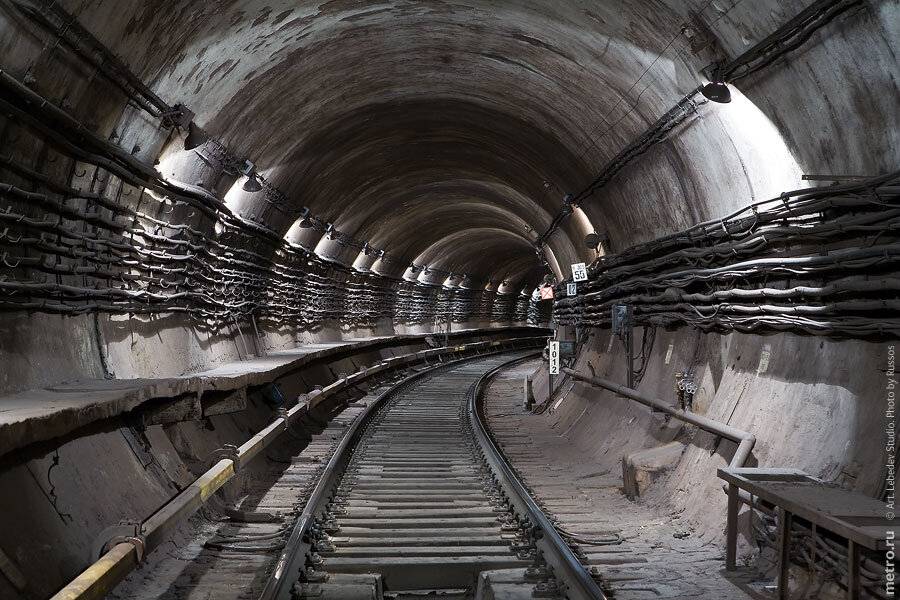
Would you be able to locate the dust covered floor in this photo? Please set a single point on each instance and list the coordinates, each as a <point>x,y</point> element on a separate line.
<point>659,557</point>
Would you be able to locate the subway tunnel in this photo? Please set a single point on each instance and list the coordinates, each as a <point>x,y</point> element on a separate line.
<point>635,261</point>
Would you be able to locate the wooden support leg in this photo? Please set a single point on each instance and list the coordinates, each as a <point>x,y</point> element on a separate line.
<point>812,549</point>
<point>852,571</point>
<point>784,553</point>
<point>734,504</point>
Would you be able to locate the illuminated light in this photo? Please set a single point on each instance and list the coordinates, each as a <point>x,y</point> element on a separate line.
<point>771,167</point>
<point>362,261</point>
<point>233,197</point>
<point>716,92</point>
<point>323,246</point>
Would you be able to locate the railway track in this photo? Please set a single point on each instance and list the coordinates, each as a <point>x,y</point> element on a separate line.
<point>417,501</point>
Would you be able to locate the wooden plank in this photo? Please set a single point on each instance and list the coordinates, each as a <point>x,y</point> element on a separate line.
<point>785,519</point>
<point>853,516</point>
<point>853,585</point>
<point>734,505</point>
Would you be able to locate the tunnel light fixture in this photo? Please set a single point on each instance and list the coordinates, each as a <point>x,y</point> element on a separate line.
<point>305,221</point>
<point>196,137</point>
<point>716,90</point>
<point>252,184</point>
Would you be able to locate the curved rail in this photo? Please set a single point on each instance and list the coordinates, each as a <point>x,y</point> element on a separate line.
<point>125,552</point>
<point>570,573</point>
<point>298,545</point>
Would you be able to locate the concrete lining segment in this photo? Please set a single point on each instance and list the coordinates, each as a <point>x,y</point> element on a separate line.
<point>42,414</point>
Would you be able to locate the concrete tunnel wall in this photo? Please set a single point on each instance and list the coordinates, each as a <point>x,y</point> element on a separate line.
<point>814,404</point>
<point>458,157</point>
<point>447,134</point>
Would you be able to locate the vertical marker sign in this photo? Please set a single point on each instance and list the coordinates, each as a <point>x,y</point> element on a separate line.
<point>554,358</point>
<point>571,289</point>
<point>579,272</point>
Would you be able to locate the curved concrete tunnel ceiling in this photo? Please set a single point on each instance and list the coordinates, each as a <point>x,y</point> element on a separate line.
<point>383,183</point>
<point>483,253</point>
<point>348,108</point>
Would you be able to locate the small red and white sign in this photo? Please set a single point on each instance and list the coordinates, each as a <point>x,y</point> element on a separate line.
<point>547,293</point>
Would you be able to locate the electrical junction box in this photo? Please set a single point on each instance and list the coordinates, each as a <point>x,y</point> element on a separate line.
<point>566,348</point>
<point>621,318</point>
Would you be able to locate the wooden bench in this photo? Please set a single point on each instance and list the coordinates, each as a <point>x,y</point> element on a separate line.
<point>861,520</point>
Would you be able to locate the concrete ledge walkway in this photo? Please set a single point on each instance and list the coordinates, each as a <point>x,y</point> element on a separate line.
<point>41,414</point>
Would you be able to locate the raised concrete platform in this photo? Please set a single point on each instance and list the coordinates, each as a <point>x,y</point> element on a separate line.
<point>640,469</point>
<point>42,414</point>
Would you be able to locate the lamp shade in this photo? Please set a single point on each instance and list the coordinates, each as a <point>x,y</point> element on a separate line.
<point>717,92</point>
<point>195,137</point>
<point>252,184</point>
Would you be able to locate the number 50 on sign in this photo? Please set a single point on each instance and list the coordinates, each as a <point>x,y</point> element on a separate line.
<point>579,272</point>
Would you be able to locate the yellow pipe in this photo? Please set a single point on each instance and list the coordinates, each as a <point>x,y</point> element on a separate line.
<point>95,582</point>
<point>215,478</point>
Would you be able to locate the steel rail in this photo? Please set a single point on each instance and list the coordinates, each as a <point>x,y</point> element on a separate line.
<point>571,575</point>
<point>278,587</point>
<point>95,582</point>
<point>292,557</point>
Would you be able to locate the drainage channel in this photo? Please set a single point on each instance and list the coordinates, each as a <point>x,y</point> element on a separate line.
<point>412,506</point>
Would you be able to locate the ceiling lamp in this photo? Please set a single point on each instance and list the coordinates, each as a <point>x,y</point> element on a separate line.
<point>305,221</point>
<point>592,240</point>
<point>716,90</point>
<point>195,137</point>
<point>252,184</point>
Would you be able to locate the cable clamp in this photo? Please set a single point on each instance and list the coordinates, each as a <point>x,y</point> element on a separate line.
<point>126,532</point>
<point>228,451</point>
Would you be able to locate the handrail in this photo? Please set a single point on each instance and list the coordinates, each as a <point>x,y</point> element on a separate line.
<point>578,583</point>
<point>95,582</point>
<point>744,439</point>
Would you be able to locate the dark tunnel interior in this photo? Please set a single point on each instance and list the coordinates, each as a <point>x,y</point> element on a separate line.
<point>227,228</point>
